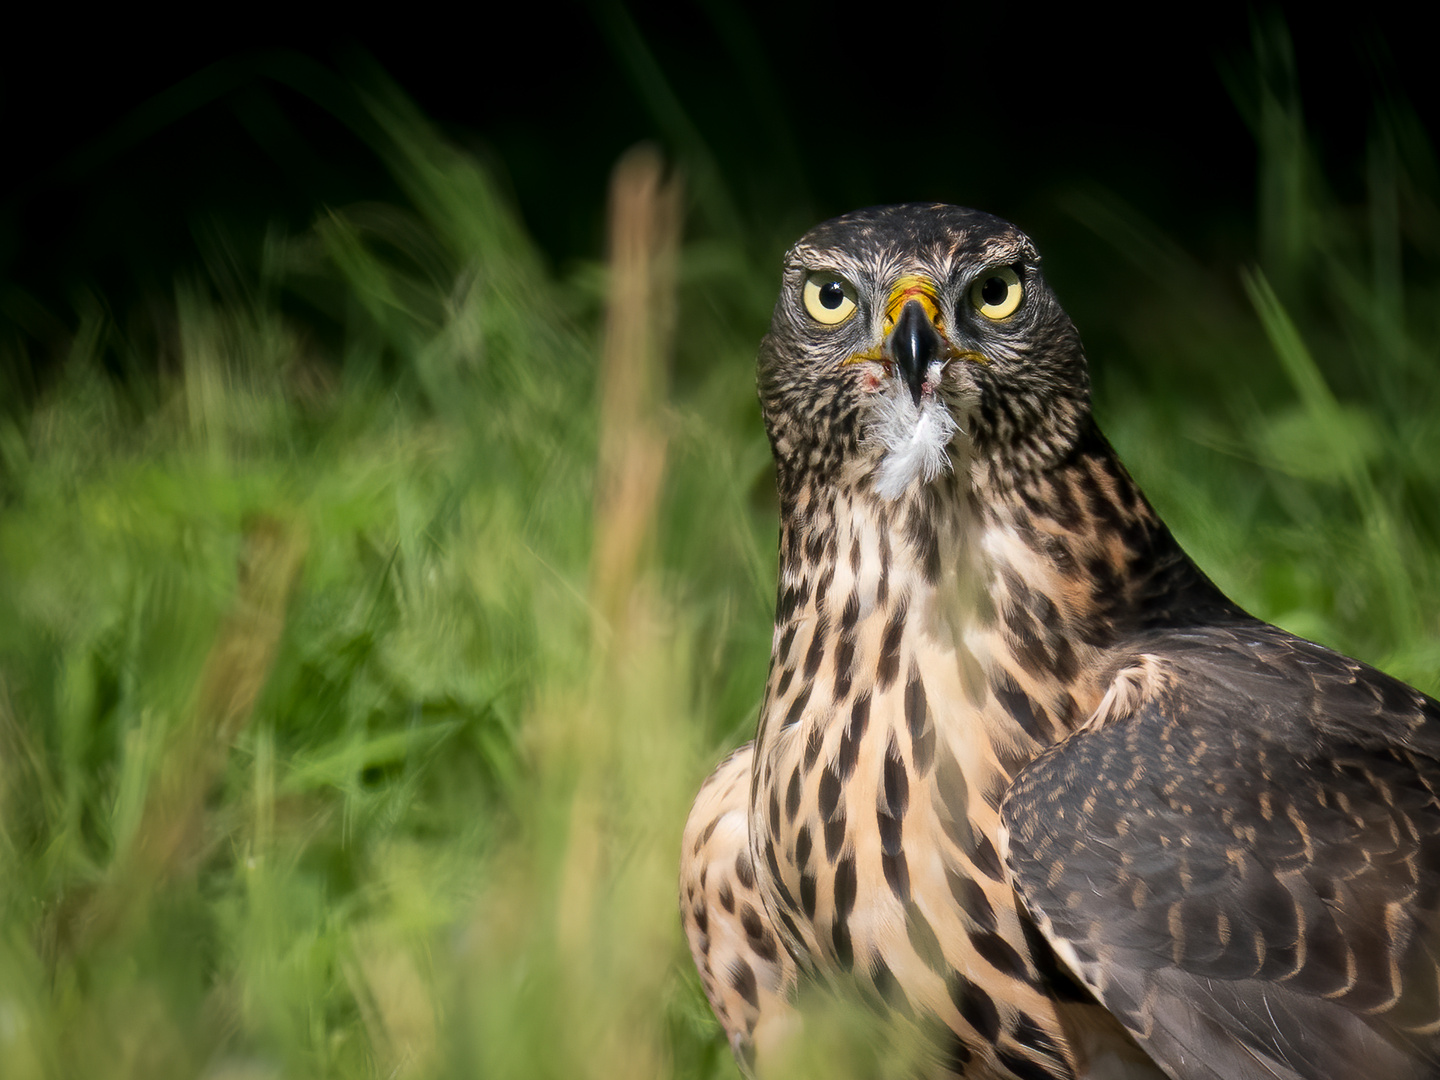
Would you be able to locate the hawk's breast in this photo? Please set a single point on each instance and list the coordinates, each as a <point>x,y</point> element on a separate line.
<point>896,716</point>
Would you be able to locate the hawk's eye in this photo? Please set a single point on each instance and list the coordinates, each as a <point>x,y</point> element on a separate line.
<point>829,298</point>
<point>996,293</point>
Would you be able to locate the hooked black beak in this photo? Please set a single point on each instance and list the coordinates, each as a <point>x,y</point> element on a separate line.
<point>914,345</point>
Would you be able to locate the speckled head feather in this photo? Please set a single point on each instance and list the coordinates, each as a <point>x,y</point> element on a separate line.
<point>1015,388</point>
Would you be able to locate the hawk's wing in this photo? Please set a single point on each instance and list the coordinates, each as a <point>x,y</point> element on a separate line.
<point>1240,856</point>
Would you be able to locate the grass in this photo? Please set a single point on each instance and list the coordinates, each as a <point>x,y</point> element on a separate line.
<point>357,670</point>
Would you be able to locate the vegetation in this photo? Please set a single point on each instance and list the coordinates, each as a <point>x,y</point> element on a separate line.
<point>357,669</point>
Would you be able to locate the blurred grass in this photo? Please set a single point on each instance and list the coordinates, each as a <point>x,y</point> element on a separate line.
<point>323,748</point>
<point>1287,416</point>
<point>357,671</point>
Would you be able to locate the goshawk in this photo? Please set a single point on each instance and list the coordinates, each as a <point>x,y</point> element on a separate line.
<point>1025,781</point>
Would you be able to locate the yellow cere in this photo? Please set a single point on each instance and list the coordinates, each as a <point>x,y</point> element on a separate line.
<point>912,287</point>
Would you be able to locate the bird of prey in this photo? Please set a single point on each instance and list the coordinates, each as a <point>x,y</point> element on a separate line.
<point>1025,782</point>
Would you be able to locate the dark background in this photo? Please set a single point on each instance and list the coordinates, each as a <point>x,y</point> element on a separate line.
<point>127,153</point>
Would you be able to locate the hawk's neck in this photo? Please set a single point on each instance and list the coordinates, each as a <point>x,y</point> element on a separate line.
<point>1005,596</point>
<point>926,649</point>
<point>1030,576</point>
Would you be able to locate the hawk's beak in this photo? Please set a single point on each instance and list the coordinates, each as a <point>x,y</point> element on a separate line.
<point>915,342</point>
<point>915,336</point>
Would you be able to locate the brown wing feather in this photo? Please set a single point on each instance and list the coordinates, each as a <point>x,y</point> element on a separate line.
<point>1243,861</point>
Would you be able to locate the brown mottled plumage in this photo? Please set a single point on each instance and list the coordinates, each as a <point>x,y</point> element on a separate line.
<point>1025,781</point>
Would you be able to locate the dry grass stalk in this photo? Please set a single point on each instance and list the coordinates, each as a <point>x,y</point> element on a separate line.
<point>644,238</point>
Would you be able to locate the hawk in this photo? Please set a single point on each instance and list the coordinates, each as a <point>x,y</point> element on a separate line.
<point>1025,782</point>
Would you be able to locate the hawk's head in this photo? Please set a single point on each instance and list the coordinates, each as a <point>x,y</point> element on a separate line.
<point>907,335</point>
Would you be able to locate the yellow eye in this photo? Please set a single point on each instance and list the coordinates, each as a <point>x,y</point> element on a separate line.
<point>829,298</point>
<point>996,293</point>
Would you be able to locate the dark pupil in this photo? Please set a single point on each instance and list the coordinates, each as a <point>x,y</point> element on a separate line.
<point>994,290</point>
<point>832,295</point>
